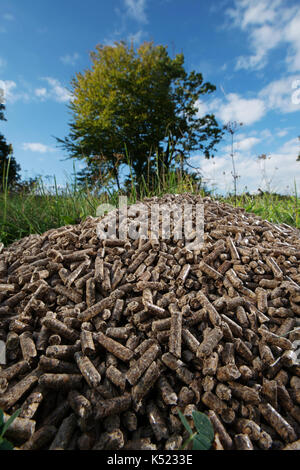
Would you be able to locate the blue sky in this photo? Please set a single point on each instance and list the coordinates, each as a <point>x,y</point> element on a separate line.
<point>249,49</point>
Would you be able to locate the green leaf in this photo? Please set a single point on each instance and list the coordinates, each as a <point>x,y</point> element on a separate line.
<point>200,443</point>
<point>1,418</point>
<point>205,430</point>
<point>184,422</point>
<point>203,424</point>
<point>9,421</point>
<point>6,445</point>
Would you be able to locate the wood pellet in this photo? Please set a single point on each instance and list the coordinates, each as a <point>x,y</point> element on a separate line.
<point>107,339</point>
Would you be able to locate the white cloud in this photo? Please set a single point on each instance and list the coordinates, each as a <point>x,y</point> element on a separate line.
<point>11,95</point>
<point>270,24</point>
<point>282,133</point>
<point>203,108</point>
<point>240,109</point>
<point>41,92</point>
<point>55,91</point>
<point>250,12</point>
<point>242,142</point>
<point>292,34</point>
<point>70,59</point>
<point>282,95</point>
<point>278,95</point>
<point>281,170</point>
<point>8,86</point>
<point>136,9</point>
<point>246,144</point>
<point>263,39</point>
<point>136,38</point>
<point>234,108</point>
<point>290,146</point>
<point>37,147</point>
<point>266,134</point>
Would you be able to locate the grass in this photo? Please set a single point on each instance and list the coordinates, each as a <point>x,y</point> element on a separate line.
<point>23,214</point>
<point>270,206</point>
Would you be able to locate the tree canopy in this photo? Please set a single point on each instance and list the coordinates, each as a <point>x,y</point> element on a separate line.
<point>142,101</point>
<point>9,168</point>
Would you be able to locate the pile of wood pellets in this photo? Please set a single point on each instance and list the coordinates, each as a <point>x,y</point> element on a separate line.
<point>106,340</point>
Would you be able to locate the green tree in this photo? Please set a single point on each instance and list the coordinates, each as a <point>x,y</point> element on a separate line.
<point>142,101</point>
<point>9,168</point>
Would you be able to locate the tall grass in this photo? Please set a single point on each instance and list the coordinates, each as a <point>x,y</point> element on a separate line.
<point>271,206</point>
<point>23,214</point>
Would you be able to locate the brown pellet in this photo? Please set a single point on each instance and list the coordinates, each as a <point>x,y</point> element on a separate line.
<point>145,383</point>
<point>135,372</point>
<point>79,404</point>
<point>60,381</point>
<point>19,368</point>
<point>243,442</point>
<point>219,428</point>
<point>248,394</point>
<point>213,402</point>
<point>62,351</point>
<point>157,422</point>
<point>211,272</point>
<point>130,420</point>
<point>32,403</point>
<point>40,438</point>
<point>210,364</point>
<point>12,395</point>
<point>113,406</point>
<point>61,329</point>
<point>99,307</point>
<point>209,343</point>
<point>168,395</point>
<point>64,433</point>
<point>275,340</point>
<point>277,422</point>
<point>115,348</point>
<point>190,340</point>
<point>228,372</point>
<point>21,429</point>
<point>116,377</point>
<point>175,331</point>
<point>87,369</point>
<point>122,332</point>
<point>27,346</point>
